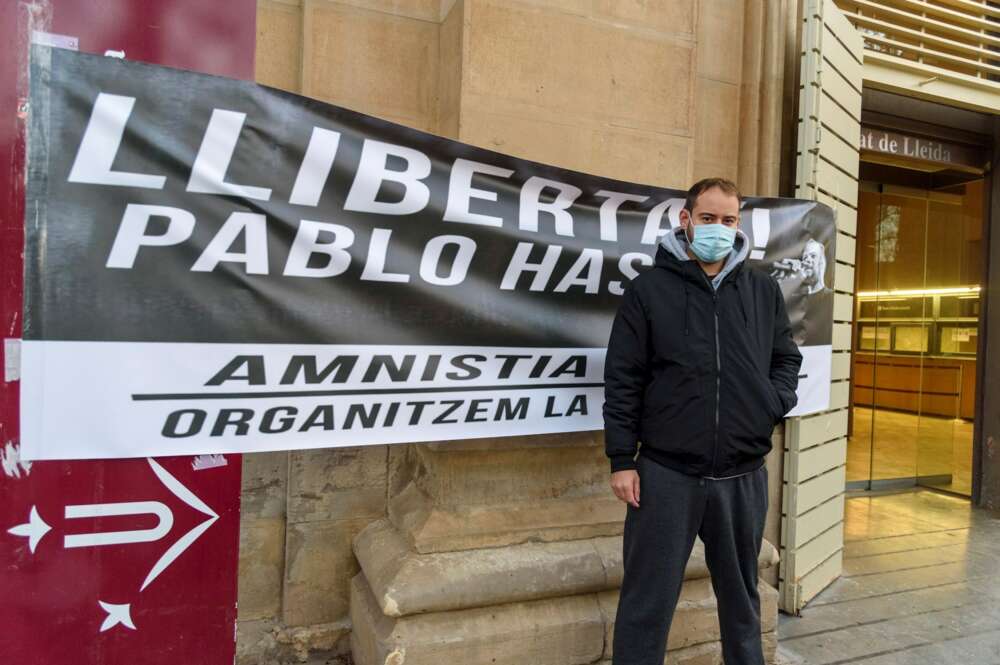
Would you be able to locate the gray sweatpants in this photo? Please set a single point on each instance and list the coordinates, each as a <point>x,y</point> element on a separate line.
<point>728,515</point>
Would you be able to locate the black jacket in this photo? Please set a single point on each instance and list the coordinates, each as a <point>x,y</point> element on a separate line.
<point>699,376</point>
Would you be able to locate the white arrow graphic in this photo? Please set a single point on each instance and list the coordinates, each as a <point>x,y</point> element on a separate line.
<point>33,530</point>
<point>117,614</point>
<point>36,528</point>
<point>188,497</point>
<point>164,516</point>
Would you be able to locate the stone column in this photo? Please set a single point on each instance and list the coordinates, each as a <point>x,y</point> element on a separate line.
<point>509,550</point>
<point>503,550</point>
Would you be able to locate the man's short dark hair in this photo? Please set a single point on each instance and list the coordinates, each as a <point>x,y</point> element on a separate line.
<point>727,186</point>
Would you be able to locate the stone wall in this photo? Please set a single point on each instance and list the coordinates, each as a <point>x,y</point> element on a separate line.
<point>654,92</point>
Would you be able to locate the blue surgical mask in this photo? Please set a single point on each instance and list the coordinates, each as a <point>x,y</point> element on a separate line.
<point>712,241</point>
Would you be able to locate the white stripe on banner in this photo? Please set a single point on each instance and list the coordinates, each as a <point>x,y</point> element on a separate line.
<point>191,399</point>
<point>188,399</point>
<point>814,380</point>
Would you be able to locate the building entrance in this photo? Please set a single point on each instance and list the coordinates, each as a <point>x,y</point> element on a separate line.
<point>918,277</point>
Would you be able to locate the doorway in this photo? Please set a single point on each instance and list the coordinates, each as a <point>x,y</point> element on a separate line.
<point>918,276</point>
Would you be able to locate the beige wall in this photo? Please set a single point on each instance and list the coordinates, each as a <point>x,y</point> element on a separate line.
<point>648,91</point>
<point>654,92</point>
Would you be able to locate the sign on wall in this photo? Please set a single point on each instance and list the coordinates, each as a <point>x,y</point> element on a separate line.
<point>216,266</point>
<point>947,153</point>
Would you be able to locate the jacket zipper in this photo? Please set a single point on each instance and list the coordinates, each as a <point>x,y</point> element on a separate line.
<point>718,379</point>
<point>718,368</point>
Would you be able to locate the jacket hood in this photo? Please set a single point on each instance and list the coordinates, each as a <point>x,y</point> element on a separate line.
<point>672,255</point>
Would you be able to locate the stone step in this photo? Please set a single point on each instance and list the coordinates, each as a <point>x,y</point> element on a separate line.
<point>405,582</point>
<point>568,630</point>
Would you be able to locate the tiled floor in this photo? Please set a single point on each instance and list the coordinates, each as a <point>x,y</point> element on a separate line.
<point>907,445</point>
<point>921,585</point>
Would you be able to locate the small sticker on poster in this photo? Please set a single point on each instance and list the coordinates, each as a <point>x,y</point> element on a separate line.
<point>58,41</point>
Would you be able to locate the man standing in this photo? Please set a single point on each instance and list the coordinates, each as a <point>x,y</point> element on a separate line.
<point>700,367</point>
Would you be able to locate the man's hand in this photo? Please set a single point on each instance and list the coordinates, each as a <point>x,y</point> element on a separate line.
<point>626,486</point>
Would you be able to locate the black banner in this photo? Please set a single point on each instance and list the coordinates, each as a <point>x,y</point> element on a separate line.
<point>194,239</point>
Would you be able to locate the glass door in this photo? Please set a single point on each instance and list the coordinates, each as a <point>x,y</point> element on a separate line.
<point>954,270</point>
<point>914,364</point>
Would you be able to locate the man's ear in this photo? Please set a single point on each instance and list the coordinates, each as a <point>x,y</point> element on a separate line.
<point>685,217</point>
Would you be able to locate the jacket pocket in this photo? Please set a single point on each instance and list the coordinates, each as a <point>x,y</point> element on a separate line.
<point>777,410</point>
<point>674,416</point>
<point>668,391</point>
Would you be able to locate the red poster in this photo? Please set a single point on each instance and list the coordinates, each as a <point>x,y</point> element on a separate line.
<point>121,561</point>
<point>104,562</point>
